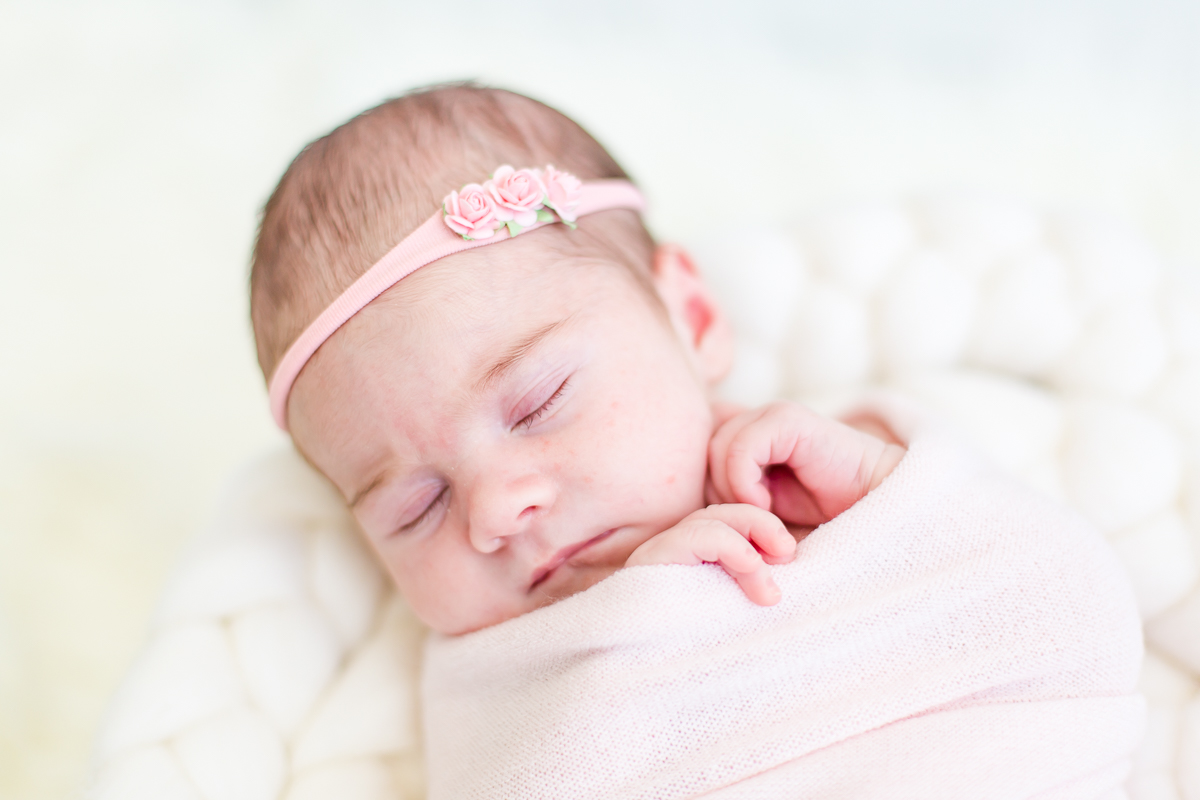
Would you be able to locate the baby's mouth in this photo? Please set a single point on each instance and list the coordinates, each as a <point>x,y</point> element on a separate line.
<point>542,573</point>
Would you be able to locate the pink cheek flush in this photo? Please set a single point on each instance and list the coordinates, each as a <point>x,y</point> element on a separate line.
<point>511,202</point>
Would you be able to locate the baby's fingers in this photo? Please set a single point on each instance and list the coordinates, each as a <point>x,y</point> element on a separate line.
<point>757,525</point>
<point>715,542</point>
<point>712,541</point>
<point>719,463</point>
<point>769,438</point>
<point>727,535</point>
<point>723,534</point>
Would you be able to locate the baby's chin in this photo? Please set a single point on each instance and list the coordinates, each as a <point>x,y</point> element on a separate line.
<point>568,581</point>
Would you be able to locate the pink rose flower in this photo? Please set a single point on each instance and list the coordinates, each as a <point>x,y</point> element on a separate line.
<point>518,194</point>
<point>563,191</point>
<point>471,212</point>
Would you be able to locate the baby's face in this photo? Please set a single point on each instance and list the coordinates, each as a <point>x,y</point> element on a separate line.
<point>508,426</point>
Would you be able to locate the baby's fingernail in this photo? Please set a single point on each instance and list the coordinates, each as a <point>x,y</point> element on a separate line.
<point>773,593</point>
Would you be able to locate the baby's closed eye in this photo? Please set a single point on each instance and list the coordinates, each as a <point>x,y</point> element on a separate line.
<point>429,510</point>
<point>545,408</point>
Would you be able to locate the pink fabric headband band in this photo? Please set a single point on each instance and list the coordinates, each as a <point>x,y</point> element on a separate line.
<point>511,202</point>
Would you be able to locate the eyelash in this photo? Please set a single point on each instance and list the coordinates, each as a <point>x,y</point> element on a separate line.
<point>540,412</point>
<point>427,513</point>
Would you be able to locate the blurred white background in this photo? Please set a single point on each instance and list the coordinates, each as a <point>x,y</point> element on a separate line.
<point>138,141</point>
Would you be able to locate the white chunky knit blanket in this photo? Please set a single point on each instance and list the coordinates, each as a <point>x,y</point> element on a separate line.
<point>954,634</point>
<point>280,665</point>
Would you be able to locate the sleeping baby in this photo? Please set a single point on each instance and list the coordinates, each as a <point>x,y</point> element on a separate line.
<point>635,591</point>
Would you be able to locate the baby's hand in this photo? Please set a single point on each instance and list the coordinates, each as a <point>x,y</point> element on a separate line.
<point>802,466</point>
<point>741,538</point>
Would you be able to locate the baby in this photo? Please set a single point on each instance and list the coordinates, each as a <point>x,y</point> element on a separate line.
<point>467,328</point>
<point>512,425</point>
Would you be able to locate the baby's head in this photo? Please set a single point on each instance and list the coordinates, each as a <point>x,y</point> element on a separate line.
<point>507,423</point>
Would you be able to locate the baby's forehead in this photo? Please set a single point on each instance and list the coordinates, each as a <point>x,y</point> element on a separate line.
<point>493,282</point>
<point>437,337</point>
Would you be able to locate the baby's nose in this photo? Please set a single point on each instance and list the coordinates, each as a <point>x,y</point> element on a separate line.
<point>503,507</point>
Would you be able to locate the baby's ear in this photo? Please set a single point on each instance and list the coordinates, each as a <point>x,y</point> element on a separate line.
<point>695,315</point>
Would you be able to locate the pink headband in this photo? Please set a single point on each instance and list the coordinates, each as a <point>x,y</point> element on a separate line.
<point>511,202</point>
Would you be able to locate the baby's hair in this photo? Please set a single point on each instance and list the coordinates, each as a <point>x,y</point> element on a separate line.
<point>353,194</point>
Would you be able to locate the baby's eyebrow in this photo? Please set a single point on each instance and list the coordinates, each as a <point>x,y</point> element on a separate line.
<point>366,490</point>
<point>513,356</point>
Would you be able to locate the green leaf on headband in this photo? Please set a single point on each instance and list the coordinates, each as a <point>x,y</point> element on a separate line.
<point>570,225</point>
<point>544,215</point>
<point>513,228</point>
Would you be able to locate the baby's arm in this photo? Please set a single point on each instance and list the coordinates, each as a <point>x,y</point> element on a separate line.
<point>802,466</point>
<point>741,538</point>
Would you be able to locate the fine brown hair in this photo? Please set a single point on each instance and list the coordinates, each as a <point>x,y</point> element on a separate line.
<point>353,194</point>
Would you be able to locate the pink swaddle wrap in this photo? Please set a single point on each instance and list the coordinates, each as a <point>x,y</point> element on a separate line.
<point>952,635</point>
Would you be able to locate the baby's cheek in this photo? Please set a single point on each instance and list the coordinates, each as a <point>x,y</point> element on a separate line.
<point>440,583</point>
